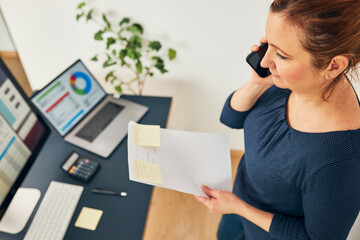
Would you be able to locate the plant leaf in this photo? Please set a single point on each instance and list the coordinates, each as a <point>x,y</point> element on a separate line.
<point>81,5</point>
<point>124,20</point>
<point>109,42</point>
<point>131,54</point>
<point>113,80</point>
<point>159,60</point>
<point>163,71</point>
<point>160,65</point>
<point>123,39</point>
<point>78,16</point>
<point>155,45</point>
<point>135,28</point>
<point>95,59</point>
<point>109,62</point>
<point>137,54</point>
<point>109,75</point>
<point>139,67</point>
<point>118,88</point>
<point>122,55</point>
<point>106,21</point>
<point>135,42</point>
<point>172,54</point>
<point>89,15</point>
<point>98,36</point>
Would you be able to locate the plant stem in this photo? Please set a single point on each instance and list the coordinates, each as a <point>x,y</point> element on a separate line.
<point>146,75</point>
<point>107,29</point>
<point>129,86</point>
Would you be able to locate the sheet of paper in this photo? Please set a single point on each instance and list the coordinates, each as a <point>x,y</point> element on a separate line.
<point>146,135</point>
<point>186,159</point>
<point>147,172</point>
<point>88,218</point>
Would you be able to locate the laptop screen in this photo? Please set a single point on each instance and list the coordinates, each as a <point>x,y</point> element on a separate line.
<point>69,97</point>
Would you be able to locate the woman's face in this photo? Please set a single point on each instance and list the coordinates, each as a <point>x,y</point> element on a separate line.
<point>287,60</point>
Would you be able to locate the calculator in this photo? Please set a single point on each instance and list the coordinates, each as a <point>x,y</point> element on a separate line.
<point>80,168</point>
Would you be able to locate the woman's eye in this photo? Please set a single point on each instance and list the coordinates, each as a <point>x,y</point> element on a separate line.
<point>281,56</point>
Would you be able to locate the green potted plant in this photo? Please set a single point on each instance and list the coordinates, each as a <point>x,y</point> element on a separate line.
<point>125,47</point>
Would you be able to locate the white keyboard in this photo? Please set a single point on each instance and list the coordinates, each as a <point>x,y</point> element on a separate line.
<point>55,212</point>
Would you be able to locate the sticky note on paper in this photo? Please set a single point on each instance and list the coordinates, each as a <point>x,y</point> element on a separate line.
<point>147,172</point>
<point>146,135</point>
<point>88,218</point>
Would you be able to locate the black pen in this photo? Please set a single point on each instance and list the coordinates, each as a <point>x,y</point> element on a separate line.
<point>109,192</point>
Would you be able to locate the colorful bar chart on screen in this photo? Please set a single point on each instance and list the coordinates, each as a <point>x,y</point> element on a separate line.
<point>60,106</point>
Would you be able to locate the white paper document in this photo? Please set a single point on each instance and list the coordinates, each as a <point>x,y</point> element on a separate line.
<point>179,160</point>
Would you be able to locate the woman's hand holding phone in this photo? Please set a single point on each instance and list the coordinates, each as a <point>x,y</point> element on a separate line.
<point>246,96</point>
<point>260,76</point>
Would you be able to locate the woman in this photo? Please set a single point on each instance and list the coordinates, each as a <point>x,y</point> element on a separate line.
<point>300,175</point>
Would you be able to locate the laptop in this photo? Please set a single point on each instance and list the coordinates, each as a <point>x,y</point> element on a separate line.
<point>78,108</point>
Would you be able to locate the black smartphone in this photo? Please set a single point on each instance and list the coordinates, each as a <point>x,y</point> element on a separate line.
<point>254,59</point>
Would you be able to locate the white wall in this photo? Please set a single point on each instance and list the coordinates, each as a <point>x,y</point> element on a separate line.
<point>5,39</point>
<point>212,39</point>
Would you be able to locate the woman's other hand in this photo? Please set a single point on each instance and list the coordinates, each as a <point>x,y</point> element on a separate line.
<point>226,202</point>
<point>219,201</point>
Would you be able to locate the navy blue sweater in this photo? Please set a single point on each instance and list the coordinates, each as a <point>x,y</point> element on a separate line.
<point>310,181</point>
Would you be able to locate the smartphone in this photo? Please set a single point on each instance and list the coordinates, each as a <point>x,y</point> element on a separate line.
<point>254,59</point>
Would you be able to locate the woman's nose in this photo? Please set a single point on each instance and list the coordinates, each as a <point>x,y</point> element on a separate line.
<point>265,62</point>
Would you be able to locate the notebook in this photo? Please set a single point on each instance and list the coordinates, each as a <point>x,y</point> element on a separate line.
<point>78,108</point>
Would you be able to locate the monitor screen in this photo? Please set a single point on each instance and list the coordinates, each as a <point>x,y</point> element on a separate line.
<point>69,97</point>
<point>22,134</point>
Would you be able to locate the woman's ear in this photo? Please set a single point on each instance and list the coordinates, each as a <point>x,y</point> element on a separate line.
<point>337,65</point>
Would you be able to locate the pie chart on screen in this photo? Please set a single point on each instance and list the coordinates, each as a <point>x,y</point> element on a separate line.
<point>80,76</point>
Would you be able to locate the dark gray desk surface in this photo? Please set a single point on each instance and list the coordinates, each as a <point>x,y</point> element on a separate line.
<point>123,218</point>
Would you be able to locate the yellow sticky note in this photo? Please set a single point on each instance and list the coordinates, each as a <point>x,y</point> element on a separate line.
<point>146,135</point>
<point>147,172</point>
<point>88,218</point>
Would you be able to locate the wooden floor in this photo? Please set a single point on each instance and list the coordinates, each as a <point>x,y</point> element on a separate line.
<point>178,216</point>
<point>172,215</point>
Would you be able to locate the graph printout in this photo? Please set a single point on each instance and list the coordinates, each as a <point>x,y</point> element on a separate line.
<point>66,100</point>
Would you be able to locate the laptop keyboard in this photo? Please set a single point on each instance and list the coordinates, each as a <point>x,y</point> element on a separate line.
<point>100,121</point>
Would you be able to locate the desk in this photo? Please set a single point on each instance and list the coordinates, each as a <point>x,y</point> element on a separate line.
<point>123,218</point>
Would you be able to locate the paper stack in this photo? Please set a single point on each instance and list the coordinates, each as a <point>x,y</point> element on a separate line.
<point>178,160</point>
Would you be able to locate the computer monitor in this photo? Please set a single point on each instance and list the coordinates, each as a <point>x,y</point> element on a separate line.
<point>22,135</point>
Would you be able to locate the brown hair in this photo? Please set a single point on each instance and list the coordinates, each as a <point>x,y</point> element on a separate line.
<point>331,28</point>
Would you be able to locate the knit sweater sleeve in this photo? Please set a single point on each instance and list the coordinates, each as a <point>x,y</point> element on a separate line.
<point>231,117</point>
<point>331,203</point>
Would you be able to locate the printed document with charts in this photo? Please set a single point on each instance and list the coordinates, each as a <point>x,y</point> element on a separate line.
<point>178,160</point>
